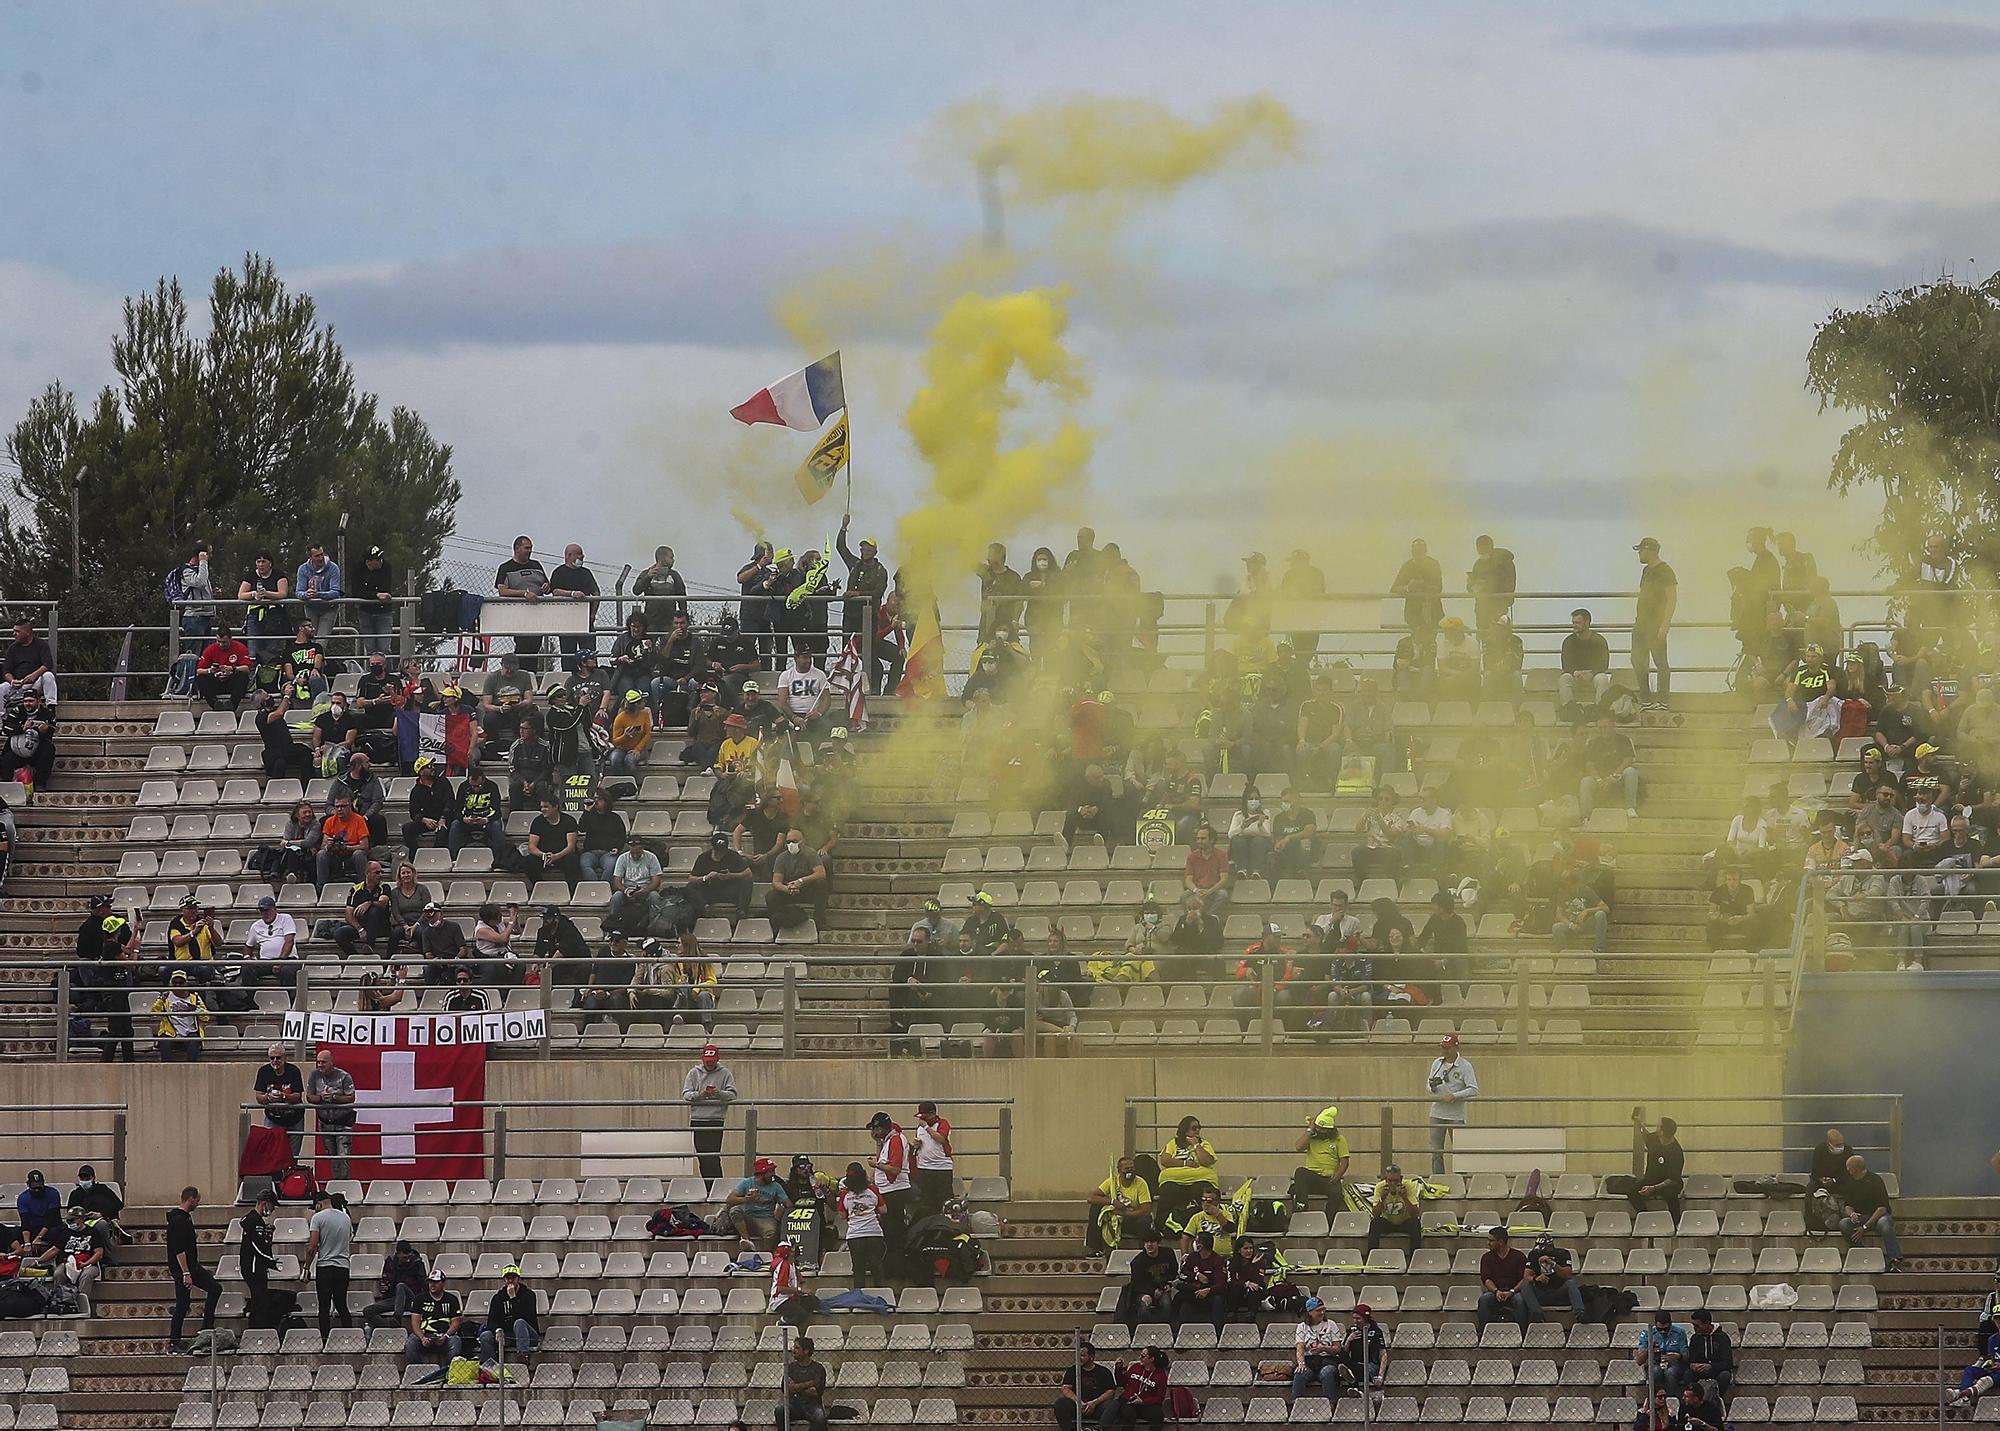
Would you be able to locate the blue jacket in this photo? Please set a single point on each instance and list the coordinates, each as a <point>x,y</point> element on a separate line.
<point>39,1210</point>
<point>329,581</point>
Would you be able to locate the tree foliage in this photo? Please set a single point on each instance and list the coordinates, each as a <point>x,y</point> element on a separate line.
<point>1921,367</point>
<point>253,436</point>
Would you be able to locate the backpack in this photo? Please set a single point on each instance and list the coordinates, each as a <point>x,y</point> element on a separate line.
<point>273,1310</point>
<point>1181,1405</point>
<point>676,1222</point>
<point>294,1184</point>
<point>19,1298</point>
<point>673,916</point>
<point>1532,1200</point>
<point>1822,1211</point>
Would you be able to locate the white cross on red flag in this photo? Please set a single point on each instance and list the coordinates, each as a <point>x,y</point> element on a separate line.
<point>417,1112</point>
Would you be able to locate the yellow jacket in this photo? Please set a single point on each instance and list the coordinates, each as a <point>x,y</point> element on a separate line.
<point>632,728</point>
<point>196,1009</point>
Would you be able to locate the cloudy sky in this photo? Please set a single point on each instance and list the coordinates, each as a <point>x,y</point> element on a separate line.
<point>1549,269</point>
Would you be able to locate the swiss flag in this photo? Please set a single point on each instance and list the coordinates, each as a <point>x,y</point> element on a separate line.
<point>417,1111</point>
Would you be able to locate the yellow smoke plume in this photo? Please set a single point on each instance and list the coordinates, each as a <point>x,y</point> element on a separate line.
<point>1101,148</point>
<point>981,488</point>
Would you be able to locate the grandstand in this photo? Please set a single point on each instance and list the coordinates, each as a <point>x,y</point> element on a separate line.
<point>158,799</point>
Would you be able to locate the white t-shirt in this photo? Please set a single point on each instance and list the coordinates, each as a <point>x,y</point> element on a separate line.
<point>1925,828</point>
<point>1322,1340</point>
<point>1432,820</point>
<point>931,1154</point>
<point>894,1149</point>
<point>269,937</point>
<point>801,690</point>
<point>1743,837</point>
<point>863,1211</point>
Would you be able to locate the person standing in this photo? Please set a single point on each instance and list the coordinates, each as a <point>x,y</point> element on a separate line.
<point>708,1090</point>
<point>861,1217</point>
<point>329,1245</point>
<point>1453,1084</point>
<point>935,1161</point>
<point>331,1092</point>
<point>259,1256</point>
<point>891,1171</point>
<point>1659,590</point>
<point>184,1267</point>
<point>280,1089</point>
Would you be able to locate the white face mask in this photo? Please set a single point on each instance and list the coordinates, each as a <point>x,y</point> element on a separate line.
<point>791,847</point>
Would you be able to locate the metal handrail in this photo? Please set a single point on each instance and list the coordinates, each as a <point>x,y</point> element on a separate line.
<point>111,1127</point>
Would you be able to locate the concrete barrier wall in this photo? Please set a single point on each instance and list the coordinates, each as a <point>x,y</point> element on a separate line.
<point>1068,1114</point>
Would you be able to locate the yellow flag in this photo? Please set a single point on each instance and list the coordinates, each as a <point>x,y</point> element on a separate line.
<point>815,475</point>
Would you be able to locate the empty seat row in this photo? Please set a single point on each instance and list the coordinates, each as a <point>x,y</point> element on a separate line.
<point>474,1407</point>
<point>1414,1335</point>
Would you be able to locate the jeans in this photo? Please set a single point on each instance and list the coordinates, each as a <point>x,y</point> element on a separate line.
<point>616,908</point>
<point>597,864</point>
<point>335,1145</point>
<point>1649,648</point>
<point>1379,1228</point>
<point>492,834</point>
<point>521,1339</point>
<point>415,1350</point>
<point>699,1002</point>
<point>295,1134</point>
<point>629,763</point>
<point>184,1298</point>
<point>375,628</point>
<point>1594,927</point>
<point>1591,787</point>
<point>179,1050</point>
<point>1327,1377</point>
<point>1571,1291</point>
<point>390,1311</point>
<point>1522,1307</point>
<point>330,865</point>
<point>331,1284</point>
<point>1440,1136</point>
<point>1582,687</point>
<point>1885,1224</point>
<point>809,1414</point>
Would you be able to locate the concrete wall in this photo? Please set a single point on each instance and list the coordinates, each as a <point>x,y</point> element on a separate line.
<point>1068,1114</point>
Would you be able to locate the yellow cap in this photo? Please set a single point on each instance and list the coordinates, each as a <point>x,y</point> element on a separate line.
<point>782,554</point>
<point>1327,1117</point>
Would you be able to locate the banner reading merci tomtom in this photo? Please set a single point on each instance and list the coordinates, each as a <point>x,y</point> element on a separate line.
<point>418,1030</point>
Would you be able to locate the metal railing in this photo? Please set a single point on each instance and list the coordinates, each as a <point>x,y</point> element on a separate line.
<point>977,1005</point>
<point>1256,1135</point>
<point>1362,627</point>
<point>541,1138</point>
<point>58,1138</point>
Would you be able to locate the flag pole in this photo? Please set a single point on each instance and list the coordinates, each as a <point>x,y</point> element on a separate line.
<point>847,415</point>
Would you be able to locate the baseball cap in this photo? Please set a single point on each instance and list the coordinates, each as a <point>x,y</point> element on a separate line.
<point>763,1165</point>
<point>1450,1040</point>
<point>179,976</point>
<point>510,1271</point>
<point>709,1050</point>
<point>550,911</point>
<point>188,901</point>
<point>1314,1304</point>
<point>1362,1309</point>
<point>782,554</point>
<point>635,698</point>
<point>267,903</point>
<point>734,721</point>
<point>880,1120</point>
<point>1926,749</point>
<point>752,686</point>
<point>431,907</point>
<point>376,552</point>
<point>423,763</point>
<point>437,1277</point>
<point>1644,542</point>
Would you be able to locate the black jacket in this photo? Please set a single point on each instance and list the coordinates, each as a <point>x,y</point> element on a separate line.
<point>1664,1161</point>
<point>503,1311</point>
<point>433,802</point>
<point>1715,1351</point>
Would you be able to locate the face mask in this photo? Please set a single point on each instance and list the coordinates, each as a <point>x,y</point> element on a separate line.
<point>791,847</point>
<point>87,1183</point>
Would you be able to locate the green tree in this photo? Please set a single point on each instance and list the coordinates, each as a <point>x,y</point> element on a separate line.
<point>1921,366</point>
<point>254,438</point>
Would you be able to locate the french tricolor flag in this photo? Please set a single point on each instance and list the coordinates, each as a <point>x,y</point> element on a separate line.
<point>804,400</point>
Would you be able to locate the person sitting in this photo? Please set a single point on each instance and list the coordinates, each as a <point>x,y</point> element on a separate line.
<point>1503,1279</point>
<point>78,1260</point>
<point>1089,1388</point>
<point>344,844</point>
<point>800,885</point>
<point>1980,1376</point>
<point>1394,1212</point>
<point>1204,1291</point>
<point>1662,1175</point>
<point>1187,1169</point>
<point>722,880</point>
<point>1212,1217</point>
<point>1326,1160</point>
<point>1317,1347</point>
<point>1364,1353</point>
<point>1552,1273</point>
<point>631,738</point>
<point>1206,874</point>
<point>635,887</point>
<point>1665,1347</point>
<point>805,1388</point>
<point>222,672</point>
<point>755,1208</point>
<point>1864,1207</point>
<point>555,843</point>
<point>1735,919</point>
<point>404,1281</point>
<point>512,1320</point>
<point>1142,1391</point>
<point>1149,1293</point>
<point>1121,1207</point>
<point>435,1324</point>
<point>1710,1355</point>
